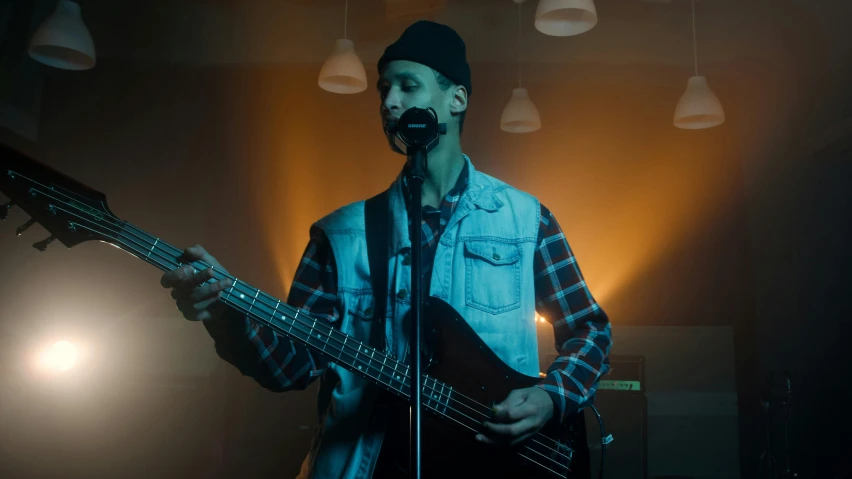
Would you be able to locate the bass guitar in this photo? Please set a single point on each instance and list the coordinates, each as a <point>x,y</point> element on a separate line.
<point>462,376</point>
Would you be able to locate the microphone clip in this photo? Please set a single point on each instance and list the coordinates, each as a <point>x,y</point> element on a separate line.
<point>416,131</point>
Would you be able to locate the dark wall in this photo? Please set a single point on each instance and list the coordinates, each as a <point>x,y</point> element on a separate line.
<point>243,159</point>
<point>804,299</point>
<point>745,225</point>
<point>727,227</point>
<point>798,197</point>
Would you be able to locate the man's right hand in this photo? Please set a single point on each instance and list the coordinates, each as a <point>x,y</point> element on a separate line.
<point>195,298</point>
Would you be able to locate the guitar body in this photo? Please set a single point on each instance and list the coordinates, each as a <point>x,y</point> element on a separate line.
<point>459,358</point>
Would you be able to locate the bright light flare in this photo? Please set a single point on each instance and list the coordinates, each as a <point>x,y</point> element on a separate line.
<point>61,356</point>
<point>539,318</point>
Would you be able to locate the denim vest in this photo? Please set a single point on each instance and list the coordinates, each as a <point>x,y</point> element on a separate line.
<point>483,267</point>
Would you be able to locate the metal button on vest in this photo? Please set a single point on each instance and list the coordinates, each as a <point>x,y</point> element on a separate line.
<point>496,257</point>
<point>369,311</point>
<point>402,294</point>
<point>406,260</point>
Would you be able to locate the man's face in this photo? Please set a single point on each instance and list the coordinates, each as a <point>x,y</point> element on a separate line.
<point>403,85</point>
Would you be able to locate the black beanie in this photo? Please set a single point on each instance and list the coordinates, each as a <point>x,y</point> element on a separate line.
<point>435,45</point>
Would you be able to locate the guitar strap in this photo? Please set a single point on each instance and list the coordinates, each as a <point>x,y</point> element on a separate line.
<point>376,219</point>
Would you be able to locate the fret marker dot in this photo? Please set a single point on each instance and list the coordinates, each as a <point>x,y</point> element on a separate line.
<point>242,296</point>
<point>359,367</point>
<point>397,377</point>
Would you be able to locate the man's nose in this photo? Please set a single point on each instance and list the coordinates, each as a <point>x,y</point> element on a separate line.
<point>391,101</point>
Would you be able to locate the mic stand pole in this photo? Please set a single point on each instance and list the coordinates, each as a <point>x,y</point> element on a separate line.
<point>418,129</point>
<point>415,184</point>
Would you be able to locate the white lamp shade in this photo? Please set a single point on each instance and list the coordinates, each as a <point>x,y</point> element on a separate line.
<point>63,41</point>
<point>698,106</point>
<point>520,114</point>
<point>563,18</point>
<point>343,71</point>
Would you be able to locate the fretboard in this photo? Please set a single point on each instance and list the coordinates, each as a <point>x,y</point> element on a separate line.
<point>317,334</point>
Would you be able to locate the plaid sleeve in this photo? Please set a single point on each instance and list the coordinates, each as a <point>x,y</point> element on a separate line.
<point>580,326</point>
<point>272,360</point>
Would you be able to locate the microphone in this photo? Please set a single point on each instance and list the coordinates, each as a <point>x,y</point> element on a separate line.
<point>416,131</point>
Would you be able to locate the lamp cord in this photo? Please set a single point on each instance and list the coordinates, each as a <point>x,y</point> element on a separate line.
<point>519,45</point>
<point>694,40</point>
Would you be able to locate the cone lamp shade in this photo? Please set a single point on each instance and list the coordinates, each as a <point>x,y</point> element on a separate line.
<point>698,107</point>
<point>520,115</point>
<point>63,41</point>
<point>343,71</point>
<point>564,18</point>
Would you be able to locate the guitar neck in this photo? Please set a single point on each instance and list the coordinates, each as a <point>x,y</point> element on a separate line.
<point>312,332</point>
<point>74,213</point>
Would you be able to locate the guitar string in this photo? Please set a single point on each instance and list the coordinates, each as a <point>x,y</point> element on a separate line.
<point>433,388</point>
<point>430,388</point>
<point>175,250</point>
<point>405,390</point>
<point>258,291</point>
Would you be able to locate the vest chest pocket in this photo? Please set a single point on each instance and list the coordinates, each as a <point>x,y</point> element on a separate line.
<point>492,276</point>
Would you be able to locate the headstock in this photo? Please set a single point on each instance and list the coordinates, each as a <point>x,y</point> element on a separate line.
<point>71,211</point>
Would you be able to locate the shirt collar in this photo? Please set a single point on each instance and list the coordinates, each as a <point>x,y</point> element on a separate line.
<point>452,196</point>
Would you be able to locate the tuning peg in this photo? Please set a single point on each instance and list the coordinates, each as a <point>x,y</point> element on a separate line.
<point>4,209</point>
<point>42,245</point>
<point>24,226</point>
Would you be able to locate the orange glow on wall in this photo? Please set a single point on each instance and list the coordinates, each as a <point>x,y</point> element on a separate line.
<point>624,184</point>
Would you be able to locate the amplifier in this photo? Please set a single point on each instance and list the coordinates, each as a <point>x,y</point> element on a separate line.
<point>621,401</point>
<point>627,373</point>
<point>687,404</point>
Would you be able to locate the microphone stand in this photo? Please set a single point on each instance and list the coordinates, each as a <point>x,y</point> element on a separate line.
<point>415,184</point>
<point>417,131</point>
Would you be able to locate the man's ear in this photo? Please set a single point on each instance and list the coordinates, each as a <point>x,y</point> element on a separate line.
<point>459,100</point>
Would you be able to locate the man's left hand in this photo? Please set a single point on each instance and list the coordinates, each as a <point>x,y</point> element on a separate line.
<point>523,413</point>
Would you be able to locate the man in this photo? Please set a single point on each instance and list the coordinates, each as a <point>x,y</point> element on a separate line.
<point>492,252</point>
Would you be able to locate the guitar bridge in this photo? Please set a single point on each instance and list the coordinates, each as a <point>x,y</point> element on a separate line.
<point>561,452</point>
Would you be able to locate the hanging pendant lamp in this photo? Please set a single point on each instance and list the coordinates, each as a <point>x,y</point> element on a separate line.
<point>62,40</point>
<point>343,71</point>
<point>698,107</point>
<point>520,115</point>
<point>564,18</point>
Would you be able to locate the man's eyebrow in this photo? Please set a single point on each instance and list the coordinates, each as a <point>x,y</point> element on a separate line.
<point>400,76</point>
